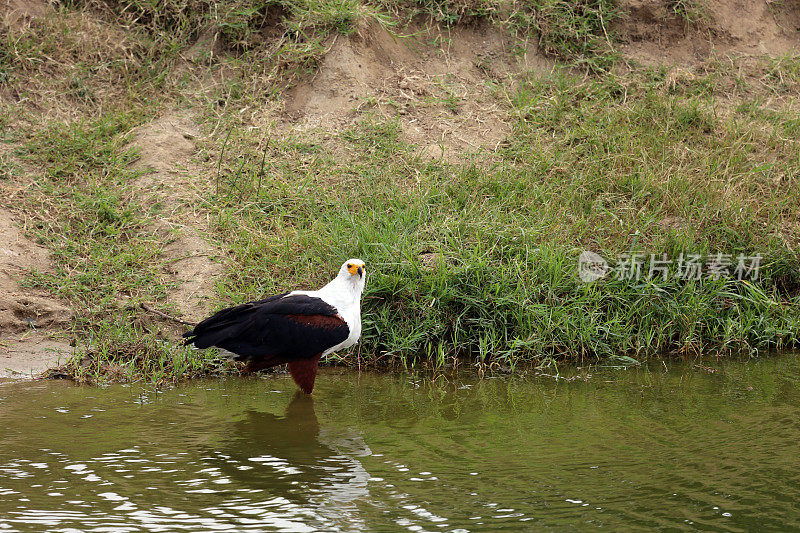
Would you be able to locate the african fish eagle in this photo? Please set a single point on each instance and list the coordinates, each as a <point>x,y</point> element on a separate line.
<point>297,327</point>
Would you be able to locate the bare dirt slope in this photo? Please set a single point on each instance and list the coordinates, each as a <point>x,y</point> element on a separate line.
<point>442,96</point>
<point>15,12</point>
<point>26,315</point>
<point>441,85</point>
<point>166,147</point>
<point>653,33</point>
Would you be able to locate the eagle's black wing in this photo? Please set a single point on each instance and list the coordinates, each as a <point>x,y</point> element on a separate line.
<point>279,329</point>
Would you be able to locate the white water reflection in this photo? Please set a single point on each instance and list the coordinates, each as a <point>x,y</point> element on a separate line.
<point>316,472</point>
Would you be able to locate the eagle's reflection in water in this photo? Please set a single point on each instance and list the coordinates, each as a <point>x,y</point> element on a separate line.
<point>292,460</point>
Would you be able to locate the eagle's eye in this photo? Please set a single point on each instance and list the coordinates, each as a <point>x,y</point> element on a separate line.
<point>349,265</point>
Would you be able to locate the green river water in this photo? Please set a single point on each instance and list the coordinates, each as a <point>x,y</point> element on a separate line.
<point>637,449</point>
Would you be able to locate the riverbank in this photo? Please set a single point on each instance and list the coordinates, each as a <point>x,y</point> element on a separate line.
<point>193,158</point>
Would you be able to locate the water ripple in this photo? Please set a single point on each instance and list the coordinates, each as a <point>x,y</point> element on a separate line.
<point>646,451</point>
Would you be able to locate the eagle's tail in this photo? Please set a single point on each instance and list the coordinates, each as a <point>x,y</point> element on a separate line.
<point>220,326</point>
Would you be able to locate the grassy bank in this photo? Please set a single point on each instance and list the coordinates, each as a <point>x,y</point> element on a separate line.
<point>473,258</point>
<point>479,259</point>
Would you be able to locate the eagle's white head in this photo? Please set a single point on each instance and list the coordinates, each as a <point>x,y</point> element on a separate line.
<point>353,274</point>
<point>353,270</point>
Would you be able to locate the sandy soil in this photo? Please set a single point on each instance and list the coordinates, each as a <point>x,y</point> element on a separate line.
<point>441,95</point>
<point>29,355</point>
<point>167,147</point>
<point>652,34</point>
<point>27,316</point>
<point>17,12</point>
